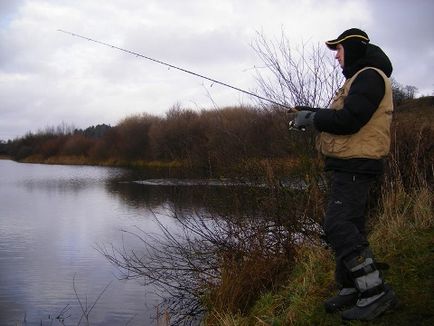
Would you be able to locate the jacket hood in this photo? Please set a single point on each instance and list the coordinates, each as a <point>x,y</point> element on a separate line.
<point>374,57</point>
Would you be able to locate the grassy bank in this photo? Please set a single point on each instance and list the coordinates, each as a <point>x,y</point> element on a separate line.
<point>403,237</point>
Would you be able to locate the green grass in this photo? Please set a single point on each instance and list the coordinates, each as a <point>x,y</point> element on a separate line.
<point>402,236</point>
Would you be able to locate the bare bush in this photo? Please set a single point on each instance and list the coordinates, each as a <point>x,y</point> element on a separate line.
<point>132,137</point>
<point>180,136</point>
<point>304,75</point>
<point>76,144</point>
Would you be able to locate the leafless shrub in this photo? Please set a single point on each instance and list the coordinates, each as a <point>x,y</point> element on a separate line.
<point>76,145</point>
<point>305,75</point>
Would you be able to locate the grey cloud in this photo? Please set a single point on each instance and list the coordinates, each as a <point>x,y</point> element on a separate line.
<point>404,30</point>
<point>8,7</point>
<point>206,47</point>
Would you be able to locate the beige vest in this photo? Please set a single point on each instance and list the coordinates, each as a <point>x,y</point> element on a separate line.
<point>372,140</point>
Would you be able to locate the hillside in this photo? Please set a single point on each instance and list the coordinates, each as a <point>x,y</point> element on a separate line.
<point>416,104</point>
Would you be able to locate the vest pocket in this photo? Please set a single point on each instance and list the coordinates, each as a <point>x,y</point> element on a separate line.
<point>334,144</point>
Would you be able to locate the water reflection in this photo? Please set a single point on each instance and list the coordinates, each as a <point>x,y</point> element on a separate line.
<point>53,217</point>
<point>57,185</point>
<point>51,220</point>
<point>216,200</point>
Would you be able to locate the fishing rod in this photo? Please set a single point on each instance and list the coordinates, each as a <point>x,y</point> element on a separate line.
<point>174,67</point>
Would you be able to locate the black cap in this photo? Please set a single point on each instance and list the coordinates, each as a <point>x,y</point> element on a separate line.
<point>352,33</point>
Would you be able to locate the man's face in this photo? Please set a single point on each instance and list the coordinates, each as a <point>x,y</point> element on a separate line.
<point>340,55</point>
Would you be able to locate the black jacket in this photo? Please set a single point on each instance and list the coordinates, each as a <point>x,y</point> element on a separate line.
<point>364,97</point>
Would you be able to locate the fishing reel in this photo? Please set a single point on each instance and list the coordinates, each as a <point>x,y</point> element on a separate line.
<point>292,127</point>
<point>291,124</point>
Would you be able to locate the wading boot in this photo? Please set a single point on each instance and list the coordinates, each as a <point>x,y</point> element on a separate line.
<point>375,297</point>
<point>371,307</point>
<point>347,297</point>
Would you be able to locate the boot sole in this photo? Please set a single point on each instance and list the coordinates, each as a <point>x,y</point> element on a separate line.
<point>383,309</point>
<point>386,306</point>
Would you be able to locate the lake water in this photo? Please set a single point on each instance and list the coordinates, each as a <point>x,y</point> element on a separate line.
<point>52,219</point>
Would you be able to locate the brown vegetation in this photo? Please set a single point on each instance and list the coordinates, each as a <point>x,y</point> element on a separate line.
<point>212,143</point>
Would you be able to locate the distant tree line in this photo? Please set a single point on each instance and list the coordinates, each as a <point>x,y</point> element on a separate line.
<point>402,93</point>
<point>94,132</point>
<point>209,140</point>
<point>3,147</point>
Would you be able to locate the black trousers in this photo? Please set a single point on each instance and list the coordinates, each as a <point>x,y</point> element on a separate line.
<point>345,219</point>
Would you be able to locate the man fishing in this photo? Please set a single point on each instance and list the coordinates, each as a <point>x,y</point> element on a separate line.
<point>354,138</point>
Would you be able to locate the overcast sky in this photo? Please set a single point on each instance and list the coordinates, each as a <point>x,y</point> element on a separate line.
<point>48,78</point>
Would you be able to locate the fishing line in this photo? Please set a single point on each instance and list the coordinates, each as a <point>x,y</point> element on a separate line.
<point>136,54</point>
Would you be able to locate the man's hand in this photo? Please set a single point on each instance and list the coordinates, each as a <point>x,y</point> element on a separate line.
<point>302,119</point>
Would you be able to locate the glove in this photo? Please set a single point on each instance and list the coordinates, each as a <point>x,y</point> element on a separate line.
<point>303,119</point>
